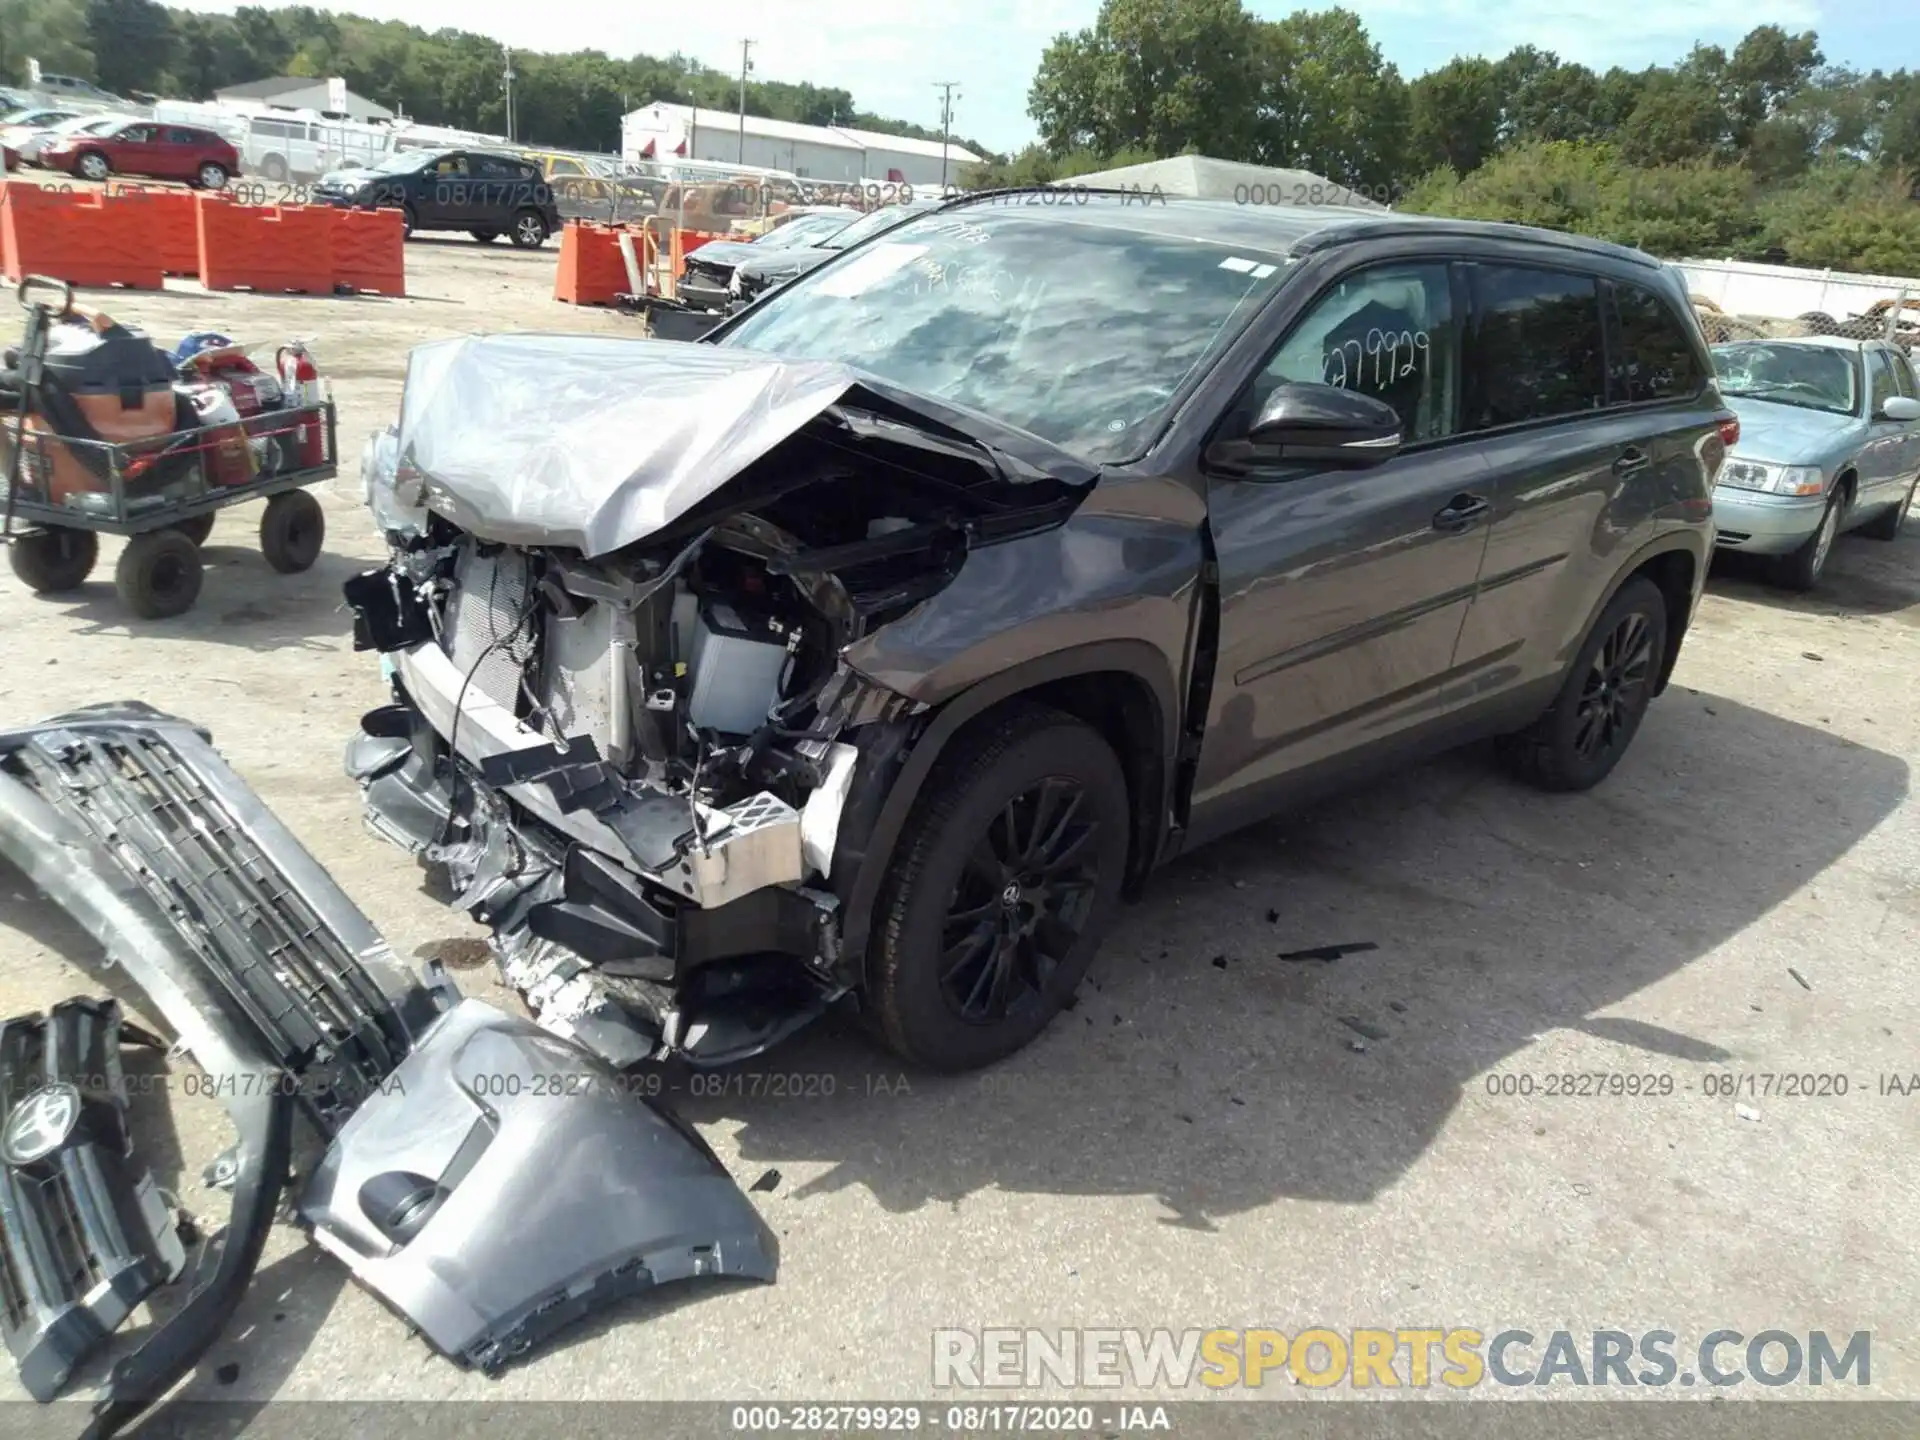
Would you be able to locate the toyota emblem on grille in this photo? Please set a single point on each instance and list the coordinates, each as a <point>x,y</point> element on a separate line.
<point>40,1124</point>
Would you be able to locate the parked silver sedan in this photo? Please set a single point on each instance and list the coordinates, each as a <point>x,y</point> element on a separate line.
<point>1828,443</point>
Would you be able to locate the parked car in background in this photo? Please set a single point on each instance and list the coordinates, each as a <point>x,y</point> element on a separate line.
<point>707,283</point>
<point>17,126</point>
<point>481,192</point>
<point>1828,443</point>
<point>147,148</point>
<point>9,157</point>
<point>71,89</point>
<point>994,563</point>
<point>31,146</point>
<point>758,274</point>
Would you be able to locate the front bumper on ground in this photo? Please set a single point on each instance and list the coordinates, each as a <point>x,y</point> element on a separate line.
<point>1762,524</point>
<point>490,1180</point>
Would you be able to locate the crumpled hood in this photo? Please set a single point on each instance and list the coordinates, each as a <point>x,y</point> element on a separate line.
<point>724,254</point>
<point>1791,434</point>
<point>593,442</point>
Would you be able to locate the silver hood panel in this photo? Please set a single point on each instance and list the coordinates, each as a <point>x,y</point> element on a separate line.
<point>592,442</point>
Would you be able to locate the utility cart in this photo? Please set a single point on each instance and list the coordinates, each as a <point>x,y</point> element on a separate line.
<point>115,446</point>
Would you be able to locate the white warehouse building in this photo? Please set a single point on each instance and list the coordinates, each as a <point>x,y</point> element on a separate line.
<point>666,131</point>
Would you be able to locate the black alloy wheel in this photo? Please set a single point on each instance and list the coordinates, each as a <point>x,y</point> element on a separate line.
<point>998,888</point>
<point>1023,900</point>
<point>1602,700</point>
<point>1615,691</point>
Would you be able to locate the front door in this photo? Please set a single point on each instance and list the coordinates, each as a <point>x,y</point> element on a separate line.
<point>1342,591</point>
<point>448,202</point>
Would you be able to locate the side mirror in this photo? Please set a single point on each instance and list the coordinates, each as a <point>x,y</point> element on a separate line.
<point>1899,407</point>
<point>1321,422</point>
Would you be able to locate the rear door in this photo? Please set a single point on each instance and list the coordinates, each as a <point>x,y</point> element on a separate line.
<point>183,150</point>
<point>1581,462</point>
<point>1342,591</point>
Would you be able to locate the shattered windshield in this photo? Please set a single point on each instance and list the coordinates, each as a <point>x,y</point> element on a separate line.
<point>1076,330</point>
<point>1813,377</point>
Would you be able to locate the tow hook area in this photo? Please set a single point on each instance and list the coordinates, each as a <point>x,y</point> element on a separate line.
<point>490,1180</point>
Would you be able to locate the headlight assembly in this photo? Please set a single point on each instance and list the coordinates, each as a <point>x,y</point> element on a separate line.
<point>1771,479</point>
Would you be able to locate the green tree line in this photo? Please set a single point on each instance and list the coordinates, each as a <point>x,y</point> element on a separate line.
<point>442,77</point>
<point>1766,151</point>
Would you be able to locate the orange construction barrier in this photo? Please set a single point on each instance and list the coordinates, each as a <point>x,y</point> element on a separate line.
<point>171,227</point>
<point>592,270</point>
<point>370,250</point>
<point>77,237</point>
<point>265,247</point>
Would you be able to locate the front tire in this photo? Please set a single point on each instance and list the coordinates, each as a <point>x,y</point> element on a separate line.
<point>1803,568</point>
<point>1001,887</point>
<point>54,561</point>
<point>93,166</point>
<point>407,219</point>
<point>1576,744</point>
<point>159,574</point>
<point>1888,524</point>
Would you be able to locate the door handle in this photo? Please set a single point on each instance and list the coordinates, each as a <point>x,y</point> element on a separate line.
<point>1632,461</point>
<point>1461,512</point>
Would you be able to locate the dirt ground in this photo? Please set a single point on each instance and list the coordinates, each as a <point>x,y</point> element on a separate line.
<point>1214,1136</point>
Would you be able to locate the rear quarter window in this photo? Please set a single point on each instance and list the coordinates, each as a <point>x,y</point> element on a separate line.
<point>1652,356</point>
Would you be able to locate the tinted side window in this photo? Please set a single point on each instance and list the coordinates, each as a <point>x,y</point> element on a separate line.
<point>1389,332</point>
<point>178,136</point>
<point>1880,377</point>
<point>1652,357</point>
<point>1533,351</point>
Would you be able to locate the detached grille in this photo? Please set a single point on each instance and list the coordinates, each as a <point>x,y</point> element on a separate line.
<point>285,968</point>
<point>84,1234</point>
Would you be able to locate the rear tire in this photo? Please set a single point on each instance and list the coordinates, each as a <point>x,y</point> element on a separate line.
<point>999,890</point>
<point>529,230</point>
<point>292,531</point>
<point>1576,744</point>
<point>159,574</point>
<point>54,561</point>
<point>1803,568</point>
<point>212,176</point>
<point>1888,524</point>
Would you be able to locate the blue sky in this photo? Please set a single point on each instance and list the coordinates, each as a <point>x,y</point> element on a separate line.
<point>889,56</point>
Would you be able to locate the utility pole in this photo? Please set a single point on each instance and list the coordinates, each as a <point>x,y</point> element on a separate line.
<point>946,89</point>
<point>746,65</point>
<point>508,82</point>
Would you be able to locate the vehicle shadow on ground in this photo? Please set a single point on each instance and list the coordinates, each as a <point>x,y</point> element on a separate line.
<point>243,602</point>
<point>1199,1068</point>
<point>1862,577</point>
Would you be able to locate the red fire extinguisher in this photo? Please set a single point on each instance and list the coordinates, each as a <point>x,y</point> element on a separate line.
<point>300,381</point>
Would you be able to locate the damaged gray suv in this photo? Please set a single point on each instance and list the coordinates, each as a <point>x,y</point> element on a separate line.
<point>878,644</point>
